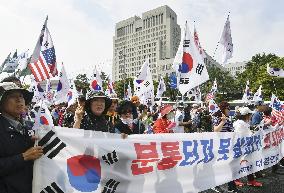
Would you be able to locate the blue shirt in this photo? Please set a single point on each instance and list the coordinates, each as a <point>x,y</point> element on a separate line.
<point>256,118</point>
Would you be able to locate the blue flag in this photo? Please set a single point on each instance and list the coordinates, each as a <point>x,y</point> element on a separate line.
<point>173,81</point>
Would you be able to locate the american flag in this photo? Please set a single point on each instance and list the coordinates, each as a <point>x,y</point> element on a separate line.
<point>210,96</point>
<point>43,61</point>
<point>277,108</point>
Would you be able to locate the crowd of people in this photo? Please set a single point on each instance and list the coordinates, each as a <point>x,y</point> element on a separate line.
<point>99,112</point>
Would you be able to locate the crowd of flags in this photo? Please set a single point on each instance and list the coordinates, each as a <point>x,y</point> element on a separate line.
<point>189,66</point>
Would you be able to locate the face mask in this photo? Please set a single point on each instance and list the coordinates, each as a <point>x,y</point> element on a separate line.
<point>127,121</point>
<point>170,116</point>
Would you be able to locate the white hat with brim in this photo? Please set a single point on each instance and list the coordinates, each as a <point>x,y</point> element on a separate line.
<point>245,111</point>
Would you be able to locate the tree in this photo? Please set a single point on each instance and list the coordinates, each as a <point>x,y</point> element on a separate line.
<point>82,83</point>
<point>228,88</point>
<point>119,86</point>
<point>257,75</point>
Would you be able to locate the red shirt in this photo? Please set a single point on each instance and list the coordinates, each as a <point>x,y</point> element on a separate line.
<point>161,126</point>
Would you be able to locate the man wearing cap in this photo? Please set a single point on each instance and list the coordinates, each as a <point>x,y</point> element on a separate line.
<point>16,145</point>
<point>257,115</point>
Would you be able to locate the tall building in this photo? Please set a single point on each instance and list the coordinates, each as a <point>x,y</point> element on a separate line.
<point>236,67</point>
<point>156,35</point>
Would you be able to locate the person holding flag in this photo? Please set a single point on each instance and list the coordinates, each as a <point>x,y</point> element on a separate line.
<point>17,151</point>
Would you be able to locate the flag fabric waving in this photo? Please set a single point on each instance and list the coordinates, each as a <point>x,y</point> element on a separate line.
<point>48,92</point>
<point>110,87</point>
<point>247,95</point>
<point>96,83</point>
<point>173,81</point>
<point>43,61</point>
<point>63,87</point>
<point>213,107</point>
<point>197,43</point>
<point>258,95</point>
<point>43,117</point>
<point>12,63</point>
<point>161,87</point>
<point>128,94</point>
<point>143,84</point>
<point>4,63</point>
<point>192,70</point>
<point>277,108</point>
<point>39,93</point>
<point>72,94</point>
<point>226,42</point>
<point>214,88</point>
<point>278,72</point>
<point>23,61</point>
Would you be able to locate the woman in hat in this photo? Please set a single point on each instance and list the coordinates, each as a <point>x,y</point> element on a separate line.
<point>242,125</point>
<point>92,115</point>
<point>126,125</point>
<point>163,124</point>
<point>16,145</point>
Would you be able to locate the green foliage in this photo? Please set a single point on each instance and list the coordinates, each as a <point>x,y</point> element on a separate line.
<point>82,83</point>
<point>119,86</point>
<point>256,73</point>
<point>228,88</point>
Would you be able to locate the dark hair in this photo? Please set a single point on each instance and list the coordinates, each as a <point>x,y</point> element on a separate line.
<point>125,106</point>
<point>267,110</point>
<point>223,105</point>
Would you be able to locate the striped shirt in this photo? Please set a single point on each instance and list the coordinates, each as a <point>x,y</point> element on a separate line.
<point>227,127</point>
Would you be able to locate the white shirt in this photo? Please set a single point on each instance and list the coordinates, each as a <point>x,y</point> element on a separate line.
<point>179,119</point>
<point>242,127</point>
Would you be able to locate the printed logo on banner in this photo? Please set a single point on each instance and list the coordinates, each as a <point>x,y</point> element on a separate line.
<point>84,172</point>
<point>246,166</point>
<point>55,146</point>
<point>53,188</point>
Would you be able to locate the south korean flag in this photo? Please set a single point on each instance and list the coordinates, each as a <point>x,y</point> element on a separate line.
<point>192,70</point>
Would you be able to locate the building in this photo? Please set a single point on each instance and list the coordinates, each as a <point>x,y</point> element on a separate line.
<point>236,68</point>
<point>156,35</point>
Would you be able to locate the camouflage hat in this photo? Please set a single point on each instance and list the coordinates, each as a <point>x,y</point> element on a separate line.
<point>95,94</point>
<point>7,87</point>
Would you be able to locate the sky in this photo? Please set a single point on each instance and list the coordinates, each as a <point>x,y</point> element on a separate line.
<point>83,30</point>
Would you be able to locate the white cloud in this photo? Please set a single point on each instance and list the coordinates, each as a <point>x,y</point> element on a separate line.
<point>82,31</point>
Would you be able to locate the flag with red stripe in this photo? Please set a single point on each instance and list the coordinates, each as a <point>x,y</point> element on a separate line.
<point>43,62</point>
<point>277,108</point>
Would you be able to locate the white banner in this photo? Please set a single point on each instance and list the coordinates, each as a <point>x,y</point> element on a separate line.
<point>76,160</point>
